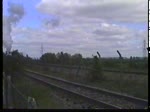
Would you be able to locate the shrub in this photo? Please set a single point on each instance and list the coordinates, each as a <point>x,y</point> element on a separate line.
<point>96,71</point>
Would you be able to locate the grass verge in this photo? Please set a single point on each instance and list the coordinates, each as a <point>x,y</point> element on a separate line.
<point>130,84</point>
<point>42,94</point>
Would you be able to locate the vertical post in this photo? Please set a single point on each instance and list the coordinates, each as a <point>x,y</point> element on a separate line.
<point>121,73</point>
<point>9,97</point>
<point>120,82</point>
<point>4,91</point>
<point>144,48</point>
<point>121,64</point>
<point>41,49</point>
<point>78,70</point>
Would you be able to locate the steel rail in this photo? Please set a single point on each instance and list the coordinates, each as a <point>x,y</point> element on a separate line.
<point>97,103</point>
<point>141,103</point>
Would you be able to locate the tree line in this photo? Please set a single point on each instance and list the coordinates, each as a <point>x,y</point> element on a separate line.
<point>16,61</point>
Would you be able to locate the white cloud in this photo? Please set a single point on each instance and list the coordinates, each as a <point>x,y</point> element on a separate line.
<point>85,26</point>
<point>110,10</point>
<point>83,38</point>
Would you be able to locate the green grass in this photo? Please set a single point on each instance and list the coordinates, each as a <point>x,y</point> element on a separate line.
<point>128,87</point>
<point>130,84</point>
<point>42,94</point>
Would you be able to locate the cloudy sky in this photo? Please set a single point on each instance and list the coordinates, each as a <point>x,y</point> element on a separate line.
<point>81,26</point>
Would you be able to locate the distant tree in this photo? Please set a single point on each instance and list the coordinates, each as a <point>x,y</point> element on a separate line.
<point>76,59</point>
<point>66,58</point>
<point>60,57</point>
<point>96,72</point>
<point>48,58</point>
<point>13,62</point>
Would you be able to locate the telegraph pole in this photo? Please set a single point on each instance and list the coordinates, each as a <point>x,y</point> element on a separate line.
<point>42,49</point>
<point>144,48</point>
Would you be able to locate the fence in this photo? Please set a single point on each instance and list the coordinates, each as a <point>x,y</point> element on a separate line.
<point>13,98</point>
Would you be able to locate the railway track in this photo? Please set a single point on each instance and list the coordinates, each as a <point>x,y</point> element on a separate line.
<point>81,100</point>
<point>113,99</point>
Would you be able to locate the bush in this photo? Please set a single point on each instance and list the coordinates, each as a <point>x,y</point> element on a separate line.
<point>96,72</point>
<point>13,62</point>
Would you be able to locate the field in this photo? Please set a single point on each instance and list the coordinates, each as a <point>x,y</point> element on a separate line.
<point>131,84</point>
<point>126,83</point>
<point>43,95</point>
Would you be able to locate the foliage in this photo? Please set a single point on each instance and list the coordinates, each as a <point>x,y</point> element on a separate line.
<point>76,59</point>
<point>132,63</point>
<point>61,58</point>
<point>96,72</point>
<point>48,58</point>
<point>13,62</point>
<point>16,61</point>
